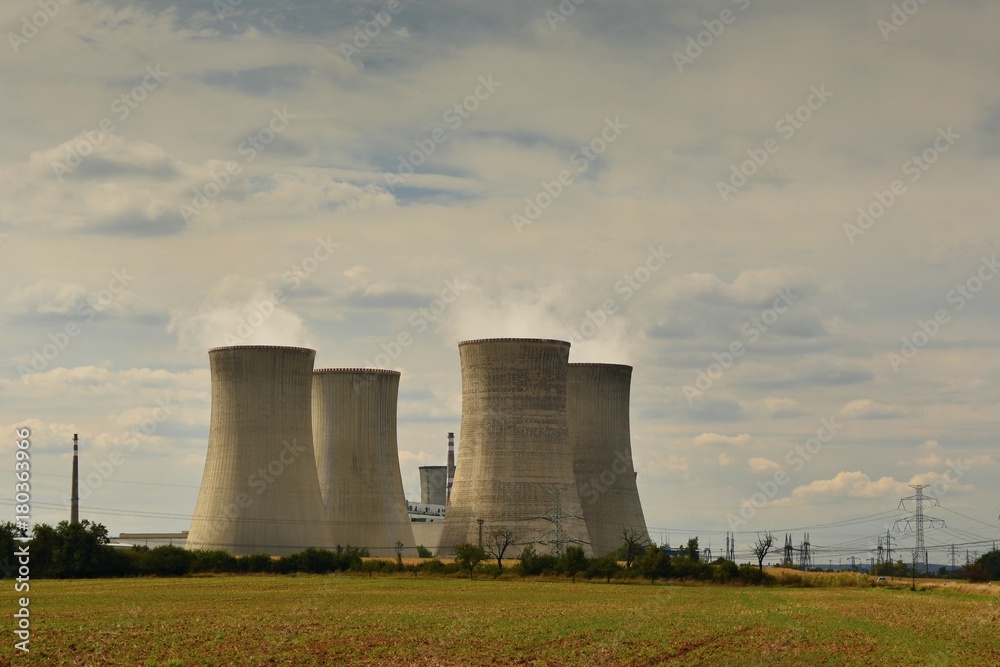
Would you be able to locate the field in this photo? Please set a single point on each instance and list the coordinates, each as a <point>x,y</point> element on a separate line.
<point>402,620</point>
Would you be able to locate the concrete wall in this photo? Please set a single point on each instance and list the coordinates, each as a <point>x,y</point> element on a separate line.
<point>427,533</point>
<point>597,405</point>
<point>259,491</point>
<point>513,450</point>
<point>354,426</point>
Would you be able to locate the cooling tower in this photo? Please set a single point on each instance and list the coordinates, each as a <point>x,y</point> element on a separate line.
<point>433,485</point>
<point>354,428</point>
<point>259,492</point>
<point>514,467</point>
<point>597,401</point>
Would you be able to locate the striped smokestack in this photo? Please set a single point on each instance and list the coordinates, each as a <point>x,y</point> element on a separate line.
<point>74,496</point>
<point>451,464</point>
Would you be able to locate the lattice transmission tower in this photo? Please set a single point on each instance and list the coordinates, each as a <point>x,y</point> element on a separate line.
<point>557,538</point>
<point>919,519</point>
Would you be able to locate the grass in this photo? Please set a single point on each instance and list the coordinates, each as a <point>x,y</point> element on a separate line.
<point>402,620</point>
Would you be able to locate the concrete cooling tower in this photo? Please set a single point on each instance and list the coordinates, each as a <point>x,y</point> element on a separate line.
<point>259,491</point>
<point>597,403</point>
<point>354,428</point>
<point>514,468</point>
<point>433,485</point>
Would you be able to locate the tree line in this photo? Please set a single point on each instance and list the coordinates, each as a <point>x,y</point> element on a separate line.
<point>82,550</point>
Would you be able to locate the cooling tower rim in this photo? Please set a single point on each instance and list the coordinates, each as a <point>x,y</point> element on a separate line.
<point>262,347</point>
<point>357,371</point>
<point>597,365</point>
<point>476,341</point>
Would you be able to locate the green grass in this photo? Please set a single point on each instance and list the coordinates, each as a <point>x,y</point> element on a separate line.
<point>349,620</point>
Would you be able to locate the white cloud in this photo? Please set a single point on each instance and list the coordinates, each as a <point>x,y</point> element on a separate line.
<point>740,441</point>
<point>855,484</point>
<point>865,408</point>
<point>760,464</point>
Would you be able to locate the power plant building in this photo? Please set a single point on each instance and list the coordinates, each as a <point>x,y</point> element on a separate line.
<point>354,428</point>
<point>597,407</point>
<point>515,467</point>
<point>259,490</point>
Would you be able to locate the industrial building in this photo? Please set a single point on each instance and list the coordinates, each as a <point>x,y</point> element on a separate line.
<point>300,458</point>
<point>259,491</point>
<point>357,459</point>
<point>597,407</point>
<point>515,467</point>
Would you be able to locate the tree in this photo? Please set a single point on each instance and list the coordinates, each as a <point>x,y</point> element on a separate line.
<point>574,560</point>
<point>975,573</point>
<point>468,556</point>
<point>692,550</point>
<point>399,554</point>
<point>655,562</point>
<point>423,552</point>
<point>991,563</point>
<point>605,567</point>
<point>634,545</point>
<point>761,547</point>
<point>8,533</point>
<point>497,543</point>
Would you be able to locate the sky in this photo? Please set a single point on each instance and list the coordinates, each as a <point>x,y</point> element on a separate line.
<point>778,213</point>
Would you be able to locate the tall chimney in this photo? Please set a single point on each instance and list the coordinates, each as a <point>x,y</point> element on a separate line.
<point>451,463</point>
<point>74,511</point>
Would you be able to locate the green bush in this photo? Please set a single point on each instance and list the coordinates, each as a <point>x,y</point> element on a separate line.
<point>286,564</point>
<point>254,563</point>
<point>216,560</point>
<point>751,575</point>
<point>603,568</point>
<point>318,561</point>
<point>169,561</point>
<point>531,563</point>
<point>725,571</point>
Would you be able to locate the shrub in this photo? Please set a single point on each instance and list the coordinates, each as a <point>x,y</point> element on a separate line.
<point>725,571</point>
<point>754,576</point>
<point>318,561</point>
<point>255,563</point>
<point>169,561</point>
<point>217,561</point>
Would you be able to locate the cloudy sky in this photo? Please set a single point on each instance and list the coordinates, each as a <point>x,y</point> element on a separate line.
<point>753,203</point>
